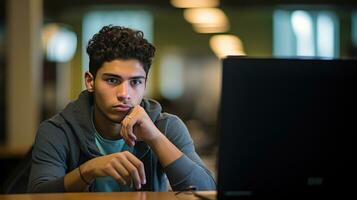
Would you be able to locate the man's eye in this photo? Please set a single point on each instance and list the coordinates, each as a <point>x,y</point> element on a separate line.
<point>112,80</point>
<point>136,82</point>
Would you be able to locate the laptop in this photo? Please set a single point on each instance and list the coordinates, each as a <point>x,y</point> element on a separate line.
<point>286,128</point>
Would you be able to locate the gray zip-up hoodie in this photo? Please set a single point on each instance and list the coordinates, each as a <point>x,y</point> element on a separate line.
<point>68,139</point>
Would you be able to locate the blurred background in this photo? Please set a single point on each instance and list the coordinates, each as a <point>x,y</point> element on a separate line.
<point>43,59</point>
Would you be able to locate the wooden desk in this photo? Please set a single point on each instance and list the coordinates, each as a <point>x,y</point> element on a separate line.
<point>102,196</point>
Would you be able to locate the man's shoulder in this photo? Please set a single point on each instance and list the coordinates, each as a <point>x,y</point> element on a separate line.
<point>50,131</point>
<point>53,125</point>
<point>171,123</point>
<point>163,120</point>
<point>56,120</point>
<point>168,117</point>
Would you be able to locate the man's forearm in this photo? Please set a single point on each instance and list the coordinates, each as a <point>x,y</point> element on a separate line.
<point>165,150</point>
<point>73,182</point>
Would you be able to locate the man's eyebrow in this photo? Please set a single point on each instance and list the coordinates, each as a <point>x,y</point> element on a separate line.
<point>109,74</point>
<point>138,77</point>
<point>117,76</point>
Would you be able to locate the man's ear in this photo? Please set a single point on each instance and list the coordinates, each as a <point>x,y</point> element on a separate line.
<point>89,81</point>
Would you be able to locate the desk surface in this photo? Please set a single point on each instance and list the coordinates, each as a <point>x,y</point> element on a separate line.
<point>102,196</point>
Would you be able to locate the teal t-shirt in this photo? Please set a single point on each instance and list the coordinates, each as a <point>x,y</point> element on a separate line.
<point>105,146</point>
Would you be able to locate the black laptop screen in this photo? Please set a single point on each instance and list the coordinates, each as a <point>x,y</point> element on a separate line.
<point>286,127</point>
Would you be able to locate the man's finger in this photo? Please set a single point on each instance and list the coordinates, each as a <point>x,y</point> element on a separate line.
<point>121,169</point>
<point>133,173</point>
<point>114,174</point>
<point>139,166</point>
<point>130,122</point>
<point>124,134</point>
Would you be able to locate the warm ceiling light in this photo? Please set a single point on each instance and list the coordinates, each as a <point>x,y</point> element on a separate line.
<point>224,45</point>
<point>205,16</point>
<point>194,3</point>
<point>211,28</point>
<point>207,20</point>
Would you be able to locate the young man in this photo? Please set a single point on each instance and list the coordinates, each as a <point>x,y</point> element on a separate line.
<point>111,138</point>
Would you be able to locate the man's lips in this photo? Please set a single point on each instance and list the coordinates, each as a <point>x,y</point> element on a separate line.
<point>121,108</point>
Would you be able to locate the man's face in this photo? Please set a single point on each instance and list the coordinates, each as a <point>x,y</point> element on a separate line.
<point>118,86</point>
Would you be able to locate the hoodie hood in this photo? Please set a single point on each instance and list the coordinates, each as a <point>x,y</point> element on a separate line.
<point>77,115</point>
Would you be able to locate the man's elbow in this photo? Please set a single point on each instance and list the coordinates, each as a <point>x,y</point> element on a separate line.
<point>46,186</point>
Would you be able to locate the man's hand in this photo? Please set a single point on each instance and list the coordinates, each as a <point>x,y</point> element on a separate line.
<point>124,167</point>
<point>137,125</point>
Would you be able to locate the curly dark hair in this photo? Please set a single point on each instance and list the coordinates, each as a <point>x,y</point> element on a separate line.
<point>117,42</point>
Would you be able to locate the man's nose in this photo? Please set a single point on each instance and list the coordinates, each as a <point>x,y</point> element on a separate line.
<point>123,91</point>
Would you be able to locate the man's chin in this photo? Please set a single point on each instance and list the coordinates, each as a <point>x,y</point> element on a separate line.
<point>117,118</point>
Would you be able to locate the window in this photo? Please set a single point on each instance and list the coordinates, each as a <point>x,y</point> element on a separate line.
<point>171,75</point>
<point>354,29</point>
<point>305,33</point>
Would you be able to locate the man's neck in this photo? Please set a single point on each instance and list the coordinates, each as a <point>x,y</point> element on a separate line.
<point>105,127</point>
